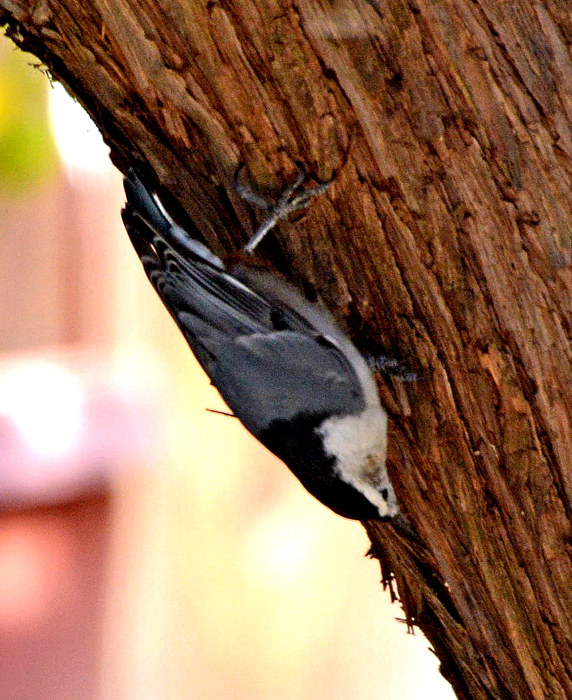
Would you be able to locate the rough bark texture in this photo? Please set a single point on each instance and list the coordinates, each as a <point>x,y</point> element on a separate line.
<point>445,240</point>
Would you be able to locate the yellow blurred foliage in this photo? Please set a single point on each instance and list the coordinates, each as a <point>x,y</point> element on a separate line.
<point>27,150</point>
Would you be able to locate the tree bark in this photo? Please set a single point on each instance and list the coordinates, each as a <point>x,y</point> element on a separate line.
<point>446,240</point>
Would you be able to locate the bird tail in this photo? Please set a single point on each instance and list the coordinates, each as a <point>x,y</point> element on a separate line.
<point>144,207</point>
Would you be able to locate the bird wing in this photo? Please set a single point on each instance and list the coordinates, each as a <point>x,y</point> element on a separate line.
<point>296,374</point>
<point>256,348</point>
<point>189,279</point>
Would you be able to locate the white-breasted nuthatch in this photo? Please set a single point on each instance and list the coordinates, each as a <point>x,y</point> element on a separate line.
<point>280,362</point>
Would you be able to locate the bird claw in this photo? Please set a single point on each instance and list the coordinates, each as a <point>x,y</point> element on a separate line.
<point>294,197</point>
<point>392,367</point>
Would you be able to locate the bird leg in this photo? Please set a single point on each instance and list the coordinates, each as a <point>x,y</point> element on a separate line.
<point>294,197</point>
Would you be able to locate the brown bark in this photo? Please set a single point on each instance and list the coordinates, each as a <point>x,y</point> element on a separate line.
<point>446,240</point>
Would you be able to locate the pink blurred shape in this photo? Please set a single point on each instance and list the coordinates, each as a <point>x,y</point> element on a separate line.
<point>68,420</point>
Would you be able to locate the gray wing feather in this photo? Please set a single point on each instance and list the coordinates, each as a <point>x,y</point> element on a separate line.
<point>293,373</point>
<point>261,346</point>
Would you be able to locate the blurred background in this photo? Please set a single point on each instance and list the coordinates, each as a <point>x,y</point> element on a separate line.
<point>149,549</point>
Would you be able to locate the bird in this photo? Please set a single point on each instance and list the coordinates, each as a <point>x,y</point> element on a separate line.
<point>281,363</point>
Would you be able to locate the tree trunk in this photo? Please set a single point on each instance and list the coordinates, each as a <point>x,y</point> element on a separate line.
<point>445,240</point>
